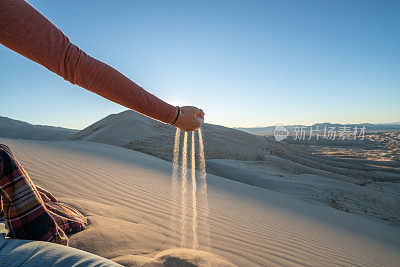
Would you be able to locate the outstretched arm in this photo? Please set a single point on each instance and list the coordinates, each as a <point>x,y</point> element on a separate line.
<point>27,32</point>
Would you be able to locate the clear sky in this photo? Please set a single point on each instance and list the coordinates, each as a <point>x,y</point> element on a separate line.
<point>245,63</point>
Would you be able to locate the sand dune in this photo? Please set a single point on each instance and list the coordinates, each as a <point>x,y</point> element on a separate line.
<point>378,201</point>
<point>134,131</point>
<point>347,185</point>
<point>10,128</point>
<point>126,196</point>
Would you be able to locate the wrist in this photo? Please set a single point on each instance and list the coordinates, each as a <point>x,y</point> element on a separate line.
<point>178,114</point>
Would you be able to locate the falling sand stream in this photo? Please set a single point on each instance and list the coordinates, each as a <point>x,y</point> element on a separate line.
<point>186,227</point>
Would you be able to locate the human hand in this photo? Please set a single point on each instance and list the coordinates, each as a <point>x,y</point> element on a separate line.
<point>190,119</point>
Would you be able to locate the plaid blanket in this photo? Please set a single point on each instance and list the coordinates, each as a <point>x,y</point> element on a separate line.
<point>31,212</point>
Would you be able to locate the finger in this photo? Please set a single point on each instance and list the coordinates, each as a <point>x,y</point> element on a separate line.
<point>200,115</point>
<point>201,120</point>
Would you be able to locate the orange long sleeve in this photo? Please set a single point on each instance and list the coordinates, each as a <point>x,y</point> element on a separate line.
<point>27,32</point>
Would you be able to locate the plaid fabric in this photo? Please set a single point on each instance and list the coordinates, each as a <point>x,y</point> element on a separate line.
<point>30,211</point>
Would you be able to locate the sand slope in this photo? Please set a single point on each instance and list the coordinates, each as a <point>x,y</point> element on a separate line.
<point>367,188</point>
<point>126,196</point>
<point>10,128</point>
<point>375,200</point>
<point>132,130</point>
<point>135,131</point>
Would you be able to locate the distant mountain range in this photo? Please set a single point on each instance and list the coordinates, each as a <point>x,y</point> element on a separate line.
<point>10,128</point>
<point>368,127</point>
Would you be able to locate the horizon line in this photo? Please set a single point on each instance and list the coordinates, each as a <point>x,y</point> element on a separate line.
<point>233,127</point>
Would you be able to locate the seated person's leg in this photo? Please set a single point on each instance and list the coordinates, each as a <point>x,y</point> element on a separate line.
<point>25,211</point>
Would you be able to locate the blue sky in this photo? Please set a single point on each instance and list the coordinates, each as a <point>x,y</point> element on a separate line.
<point>245,63</point>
